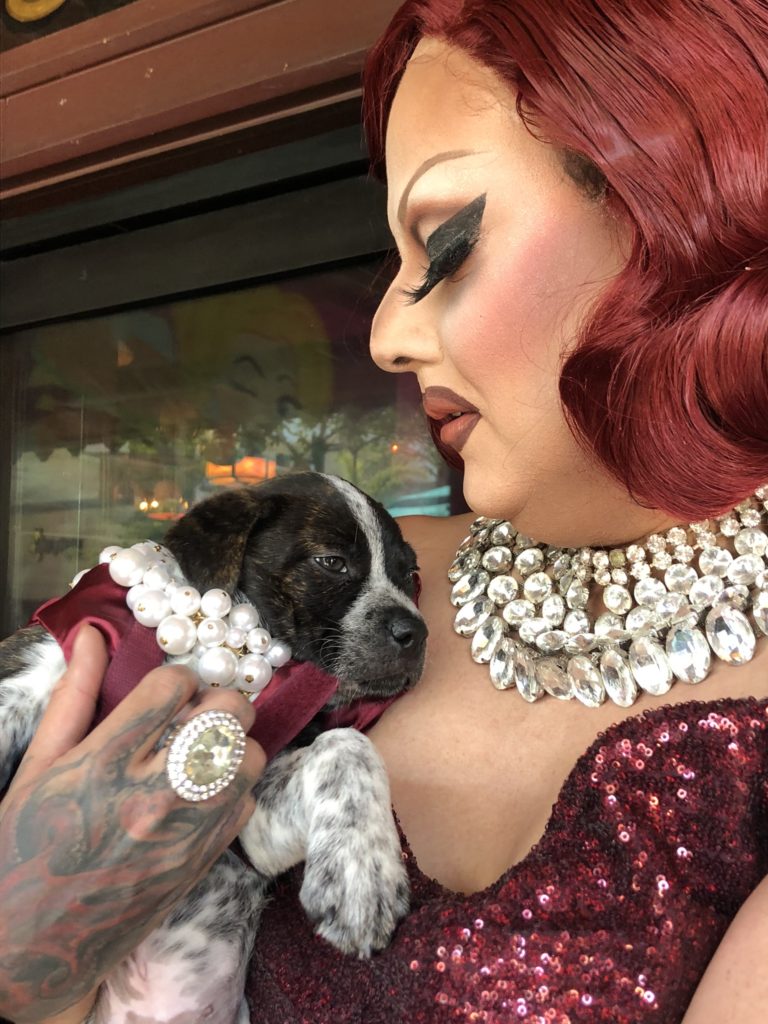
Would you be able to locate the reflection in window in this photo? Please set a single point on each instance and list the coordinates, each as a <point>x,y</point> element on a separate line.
<point>128,419</point>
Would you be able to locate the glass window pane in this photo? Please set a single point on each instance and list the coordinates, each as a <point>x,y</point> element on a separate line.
<point>129,418</point>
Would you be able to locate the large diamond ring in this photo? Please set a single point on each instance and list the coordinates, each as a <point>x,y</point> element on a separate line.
<point>204,755</point>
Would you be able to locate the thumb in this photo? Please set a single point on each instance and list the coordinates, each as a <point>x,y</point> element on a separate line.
<point>70,710</point>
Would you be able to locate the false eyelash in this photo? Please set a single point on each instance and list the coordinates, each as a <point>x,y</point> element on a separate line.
<point>448,247</point>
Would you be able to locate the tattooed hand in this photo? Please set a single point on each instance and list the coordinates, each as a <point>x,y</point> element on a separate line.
<point>95,846</point>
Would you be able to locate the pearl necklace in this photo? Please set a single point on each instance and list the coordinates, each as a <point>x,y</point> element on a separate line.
<point>225,642</point>
<point>535,631</point>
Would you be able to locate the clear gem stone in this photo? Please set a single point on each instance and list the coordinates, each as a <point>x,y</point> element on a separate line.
<point>528,561</point>
<point>760,611</point>
<point>606,622</point>
<point>661,560</point>
<point>503,534</point>
<point>683,553</point>
<point>586,682</point>
<point>730,635</point>
<point>656,543</point>
<point>729,526</point>
<point>497,559</point>
<point>650,666</point>
<point>705,590</point>
<point>502,589</point>
<point>751,542</point>
<point>537,587</point>
<point>577,595</point>
<point>487,639</point>
<point>680,578</point>
<point>751,517</point>
<point>600,559</point>
<point>551,640</point>
<point>761,581</point>
<point>470,586</point>
<point>617,678</point>
<point>553,609</point>
<point>676,535</point>
<point>531,628</point>
<point>518,611</point>
<point>640,570</point>
<point>636,553</point>
<point>617,599</point>
<point>553,679</point>
<point>715,561</point>
<point>560,566</point>
<point>456,571</point>
<point>669,606</point>
<point>471,616</point>
<point>502,666</point>
<point>736,596</point>
<point>744,569</point>
<point>580,643</point>
<point>688,653</point>
<point>648,592</point>
<point>576,621</point>
<point>640,619</point>
<point>619,576</point>
<point>528,685</point>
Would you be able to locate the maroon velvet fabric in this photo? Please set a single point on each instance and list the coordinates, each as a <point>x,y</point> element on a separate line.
<point>295,695</point>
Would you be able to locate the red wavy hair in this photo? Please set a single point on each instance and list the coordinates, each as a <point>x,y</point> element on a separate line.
<point>666,105</point>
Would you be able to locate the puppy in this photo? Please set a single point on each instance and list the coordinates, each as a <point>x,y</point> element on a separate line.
<point>330,574</point>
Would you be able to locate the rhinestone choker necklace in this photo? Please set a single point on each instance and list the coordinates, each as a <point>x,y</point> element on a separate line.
<point>670,602</point>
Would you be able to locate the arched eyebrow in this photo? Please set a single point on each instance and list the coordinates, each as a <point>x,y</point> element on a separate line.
<point>438,158</point>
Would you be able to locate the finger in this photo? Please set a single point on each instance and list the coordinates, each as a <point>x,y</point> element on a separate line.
<point>219,699</point>
<point>70,710</point>
<point>142,717</point>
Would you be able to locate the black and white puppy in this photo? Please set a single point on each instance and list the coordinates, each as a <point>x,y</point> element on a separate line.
<point>331,575</point>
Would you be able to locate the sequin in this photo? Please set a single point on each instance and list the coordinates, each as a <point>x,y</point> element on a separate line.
<point>652,846</point>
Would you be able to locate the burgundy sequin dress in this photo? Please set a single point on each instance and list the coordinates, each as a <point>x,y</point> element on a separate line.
<point>658,836</point>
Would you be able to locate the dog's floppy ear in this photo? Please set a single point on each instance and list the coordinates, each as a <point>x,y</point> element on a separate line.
<point>209,541</point>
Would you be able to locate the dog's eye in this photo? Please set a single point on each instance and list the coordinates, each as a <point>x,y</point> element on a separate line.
<point>333,563</point>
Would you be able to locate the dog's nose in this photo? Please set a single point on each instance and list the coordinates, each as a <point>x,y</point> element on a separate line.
<point>405,629</point>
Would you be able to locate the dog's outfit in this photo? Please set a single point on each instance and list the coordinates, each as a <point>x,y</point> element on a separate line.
<point>293,698</point>
<point>659,834</point>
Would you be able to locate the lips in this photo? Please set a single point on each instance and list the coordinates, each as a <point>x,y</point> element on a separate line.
<point>456,418</point>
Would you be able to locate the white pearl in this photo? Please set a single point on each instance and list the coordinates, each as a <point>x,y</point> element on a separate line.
<point>212,632</point>
<point>107,554</point>
<point>198,651</point>
<point>185,600</point>
<point>157,577</point>
<point>176,634</point>
<point>217,666</point>
<point>151,607</point>
<point>278,654</point>
<point>128,567</point>
<point>235,638</point>
<point>135,593</point>
<point>145,547</point>
<point>253,673</point>
<point>244,616</point>
<point>76,579</point>
<point>215,603</point>
<point>258,640</point>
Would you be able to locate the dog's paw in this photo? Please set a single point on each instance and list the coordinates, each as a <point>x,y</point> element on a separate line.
<point>356,902</point>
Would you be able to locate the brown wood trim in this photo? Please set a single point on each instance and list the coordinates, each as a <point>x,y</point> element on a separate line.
<point>221,76</point>
<point>141,24</point>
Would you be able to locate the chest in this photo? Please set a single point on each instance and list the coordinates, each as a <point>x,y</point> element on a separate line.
<point>476,771</point>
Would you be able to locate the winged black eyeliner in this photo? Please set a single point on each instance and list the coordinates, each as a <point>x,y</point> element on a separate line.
<point>449,245</point>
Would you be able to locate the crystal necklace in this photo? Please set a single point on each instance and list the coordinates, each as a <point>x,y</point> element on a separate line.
<point>671,602</point>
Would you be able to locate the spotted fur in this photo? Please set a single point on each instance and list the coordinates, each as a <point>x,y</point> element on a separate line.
<point>327,803</point>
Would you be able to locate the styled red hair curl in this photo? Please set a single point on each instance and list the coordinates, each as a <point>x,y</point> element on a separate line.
<point>667,383</point>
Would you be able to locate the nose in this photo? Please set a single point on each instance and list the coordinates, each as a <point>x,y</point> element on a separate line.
<point>406,630</point>
<point>403,334</point>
